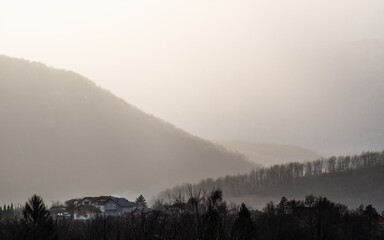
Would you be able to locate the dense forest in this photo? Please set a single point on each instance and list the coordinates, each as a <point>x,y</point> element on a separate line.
<point>361,175</point>
<point>205,216</point>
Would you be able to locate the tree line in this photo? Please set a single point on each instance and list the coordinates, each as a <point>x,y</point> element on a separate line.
<point>260,179</point>
<point>206,216</point>
<point>9,211</point>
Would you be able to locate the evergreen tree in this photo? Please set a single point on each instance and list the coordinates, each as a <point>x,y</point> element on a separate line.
<point>244,228</point>
<point>371,217</point>
<point>140,200</point>
<point>36,222</point>
<point>212,221</point>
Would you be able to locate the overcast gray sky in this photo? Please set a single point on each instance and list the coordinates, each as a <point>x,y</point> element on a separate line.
<point>210,67</point>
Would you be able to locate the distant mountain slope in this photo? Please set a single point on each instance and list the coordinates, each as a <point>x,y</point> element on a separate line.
<point>325,98</point>
<point>363,186</point>
<point>62,136</point>
<point>268,154</point>
<point>353,180</point>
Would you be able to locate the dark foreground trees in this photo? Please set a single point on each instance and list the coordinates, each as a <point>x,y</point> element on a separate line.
<point>205,216</point>
<point>244,227</point>
<point>36,222</point>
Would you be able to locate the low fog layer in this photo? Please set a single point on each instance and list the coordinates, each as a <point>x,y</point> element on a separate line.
<point>63,137</point>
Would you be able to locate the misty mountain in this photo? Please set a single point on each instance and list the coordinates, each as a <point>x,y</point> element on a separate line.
<point>353,180</point>
<point>268,154</point>
<point>62,136</point>
<point>338,109</point>
<point>326,98</point>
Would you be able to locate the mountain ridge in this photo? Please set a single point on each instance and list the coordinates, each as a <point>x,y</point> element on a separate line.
<point>61,122</point>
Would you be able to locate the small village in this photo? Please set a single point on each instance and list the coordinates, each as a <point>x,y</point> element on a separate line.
<point>90,207</point>
<point>206,216</point>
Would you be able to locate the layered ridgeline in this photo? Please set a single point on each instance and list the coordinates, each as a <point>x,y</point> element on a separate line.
<point>62,136</point>
<point>353,180</point>
<point>269,154</point>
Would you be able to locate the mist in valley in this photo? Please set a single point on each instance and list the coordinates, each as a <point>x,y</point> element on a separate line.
<point>135,97</point>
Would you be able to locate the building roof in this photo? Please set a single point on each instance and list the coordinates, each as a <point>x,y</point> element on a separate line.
<point>92,199</point>
<point>72,201</point>
<point>57,209</point>
<point>88,207</point>
<point>101,199</point>
<point>122,202</point>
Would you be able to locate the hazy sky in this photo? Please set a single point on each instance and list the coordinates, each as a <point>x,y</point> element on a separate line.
<point>203,65</point>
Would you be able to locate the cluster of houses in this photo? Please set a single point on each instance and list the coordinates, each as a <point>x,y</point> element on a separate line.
<point>90,207</point>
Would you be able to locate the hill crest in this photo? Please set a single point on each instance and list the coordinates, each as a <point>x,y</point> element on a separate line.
<point>58,126</point>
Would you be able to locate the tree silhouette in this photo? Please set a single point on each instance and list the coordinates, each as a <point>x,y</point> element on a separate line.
<point>315,218</point>
<point>212,220</point>
<point>36,222</point>
<point>371,217</point>
<point>244,228</point>
<point>140,200</point>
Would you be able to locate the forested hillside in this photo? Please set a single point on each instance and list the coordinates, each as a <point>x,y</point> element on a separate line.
<point>353,180</point>
<point>62,136</point>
